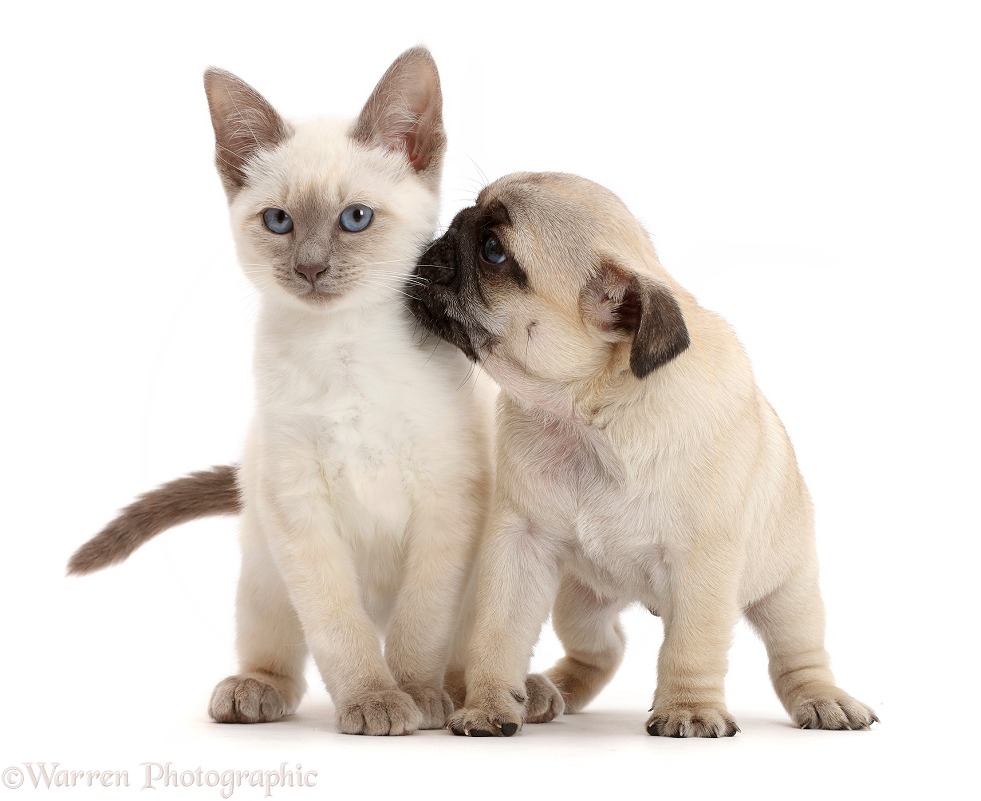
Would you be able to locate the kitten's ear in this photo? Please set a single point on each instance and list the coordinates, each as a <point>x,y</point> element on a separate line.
<point>244,124</point>
<point>622,303</point>
<point>405,113</point>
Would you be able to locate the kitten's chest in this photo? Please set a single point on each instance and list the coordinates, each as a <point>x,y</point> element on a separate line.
<point>333,416</point>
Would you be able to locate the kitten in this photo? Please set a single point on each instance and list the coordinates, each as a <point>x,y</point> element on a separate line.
<point>367,469</point>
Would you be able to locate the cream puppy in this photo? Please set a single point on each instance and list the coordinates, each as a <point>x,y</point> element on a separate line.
<point>637,462</point>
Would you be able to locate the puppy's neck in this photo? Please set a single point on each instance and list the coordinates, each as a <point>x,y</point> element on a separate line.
<point>537,397</point>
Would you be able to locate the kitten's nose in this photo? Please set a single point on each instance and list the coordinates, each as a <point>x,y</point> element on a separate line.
<point>311,271</point>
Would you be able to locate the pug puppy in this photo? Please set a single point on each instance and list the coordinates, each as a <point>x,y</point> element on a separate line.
<point>637,461</point>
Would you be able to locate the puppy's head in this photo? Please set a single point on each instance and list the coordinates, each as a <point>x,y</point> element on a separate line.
<point>549,281</point>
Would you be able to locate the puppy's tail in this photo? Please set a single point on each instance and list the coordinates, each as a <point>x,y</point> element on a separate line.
<point>201,494</point>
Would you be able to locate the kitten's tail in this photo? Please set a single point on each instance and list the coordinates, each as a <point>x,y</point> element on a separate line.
<point>201,494</point>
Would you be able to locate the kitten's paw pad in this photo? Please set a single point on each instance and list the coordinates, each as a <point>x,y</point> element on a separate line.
<point>682,720</point>
<point>244,699</point>
<point>434,704</point>
<point>839,712</point>
<point>480,723</point>
<point>544,699</point>
<point>384,712</point>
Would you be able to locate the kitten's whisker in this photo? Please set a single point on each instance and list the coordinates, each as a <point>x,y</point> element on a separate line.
<point>390,274</point>
<point>391,282</point>
<point>389,261</point>
<point>401,280</point>
<point>365,282</point>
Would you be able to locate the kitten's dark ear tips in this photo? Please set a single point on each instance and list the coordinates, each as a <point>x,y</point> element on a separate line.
<point>619,301</point>
<point>405,113</point>
<point>244,124</point>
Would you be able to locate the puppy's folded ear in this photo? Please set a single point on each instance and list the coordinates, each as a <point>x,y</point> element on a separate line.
<point>622,303</point>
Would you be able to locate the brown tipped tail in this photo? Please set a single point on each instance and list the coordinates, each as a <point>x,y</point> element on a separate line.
<point>201,494</point>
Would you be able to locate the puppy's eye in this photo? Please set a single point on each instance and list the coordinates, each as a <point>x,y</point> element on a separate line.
<point>356,218</point>
<point>277,221</point>
<point>492,251</point>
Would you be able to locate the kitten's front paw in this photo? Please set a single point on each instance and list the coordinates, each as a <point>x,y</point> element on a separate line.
<point>688,720</point>
<point>544,699</point>
<point>383,712</point>
<point>837,711</point>
<point>246,699</point>
<point>434,703</point>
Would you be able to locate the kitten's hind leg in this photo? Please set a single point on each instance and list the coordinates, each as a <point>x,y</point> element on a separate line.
<point>271,647</point>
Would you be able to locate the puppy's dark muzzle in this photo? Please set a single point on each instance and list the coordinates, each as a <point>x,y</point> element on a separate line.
<point>438,264</point>
<point>436,301</point>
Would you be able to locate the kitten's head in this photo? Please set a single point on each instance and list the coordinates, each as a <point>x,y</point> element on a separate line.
<point>332,211</point>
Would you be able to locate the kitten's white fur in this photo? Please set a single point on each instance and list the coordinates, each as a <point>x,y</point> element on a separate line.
<point>367,468</point>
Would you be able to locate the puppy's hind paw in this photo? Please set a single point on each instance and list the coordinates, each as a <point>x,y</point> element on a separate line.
<point>690,721</point>
<point>838,712</point>
<point>544,701</point>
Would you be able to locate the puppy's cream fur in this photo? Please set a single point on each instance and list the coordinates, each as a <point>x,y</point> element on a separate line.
<point>637,461</point>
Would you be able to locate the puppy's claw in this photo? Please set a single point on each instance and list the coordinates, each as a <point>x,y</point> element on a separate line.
<point>477,723</point>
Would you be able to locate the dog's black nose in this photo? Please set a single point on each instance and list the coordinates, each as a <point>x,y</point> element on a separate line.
<point>437,263</point>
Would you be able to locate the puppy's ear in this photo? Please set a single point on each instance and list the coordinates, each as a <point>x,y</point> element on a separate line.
<point>620,302</point>
<point>244,124</point>
<point>405,112</point>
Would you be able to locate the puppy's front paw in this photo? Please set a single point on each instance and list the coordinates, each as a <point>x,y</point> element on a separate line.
<point>837,711</point>
<point>383,712</point>
<point>491,713</point>
<point>480,723</point>
<point>434,703</point>
<point>544,699</point>
<point>687,720</point>
<point>246,699</point>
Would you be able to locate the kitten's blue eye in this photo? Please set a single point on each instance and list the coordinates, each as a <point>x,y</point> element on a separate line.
<point>277,221</point>
<point>356,218</point>
<point>492,251</point>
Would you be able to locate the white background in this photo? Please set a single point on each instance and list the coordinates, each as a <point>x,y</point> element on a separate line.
<point>811,174</point>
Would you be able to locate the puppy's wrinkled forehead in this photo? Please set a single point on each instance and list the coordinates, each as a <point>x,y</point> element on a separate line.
<point>556,223</point>
<point>482,216</point>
